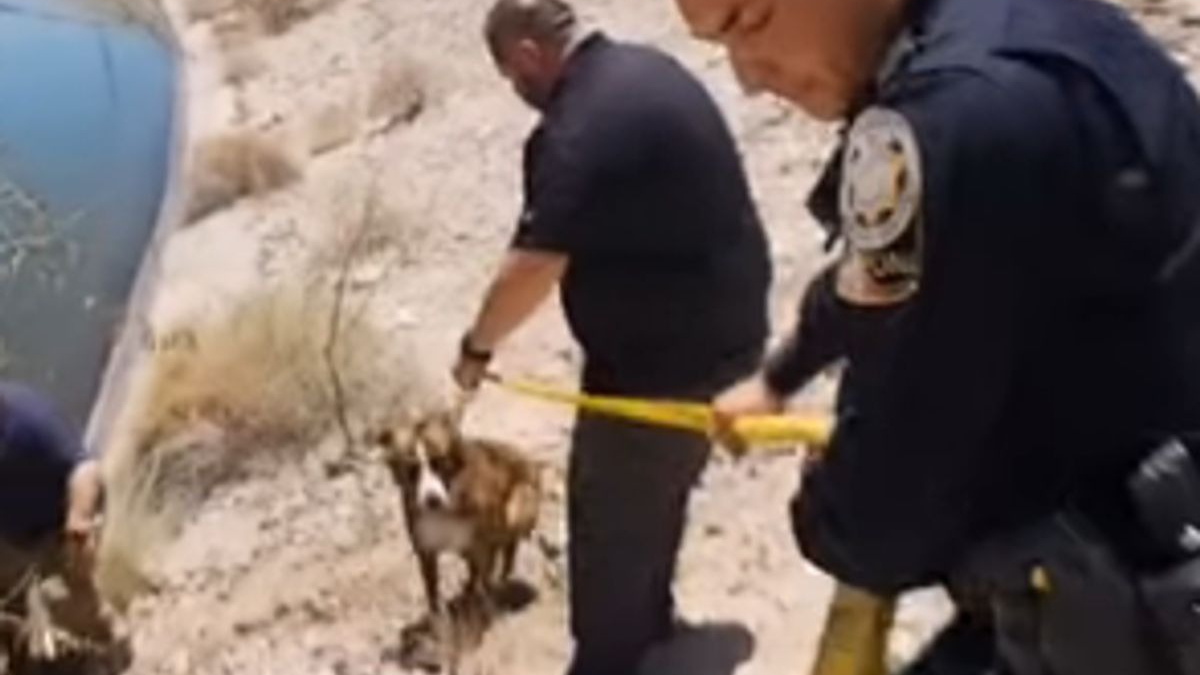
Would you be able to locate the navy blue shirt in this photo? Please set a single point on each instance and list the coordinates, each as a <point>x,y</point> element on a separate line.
<point>1055,336</point>
<point>38,451</point>
<point>634,175</point>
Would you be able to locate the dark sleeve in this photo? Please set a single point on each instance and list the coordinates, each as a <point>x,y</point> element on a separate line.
<point>816,343</point>
<point>557,184</point>
<point>891,505</point>
<point>38,434</point>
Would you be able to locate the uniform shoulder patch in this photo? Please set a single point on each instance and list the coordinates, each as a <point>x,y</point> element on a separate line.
<point>881,180</point>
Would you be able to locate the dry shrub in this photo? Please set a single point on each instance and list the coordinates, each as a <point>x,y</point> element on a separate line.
<point>278,16</point>
<point>231,166</point>
<point>252,387</point>
<point>252,372</point>
<point>242,65</point>
<point>236,39</point>
<point>234,30</point>
<point>206,10</point>
<point>398,95</point>
<point>143,509</point>
<point>248,382</point>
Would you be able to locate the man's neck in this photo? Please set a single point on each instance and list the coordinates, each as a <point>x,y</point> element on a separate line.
<point>564,56</point>
<point>573,43</point>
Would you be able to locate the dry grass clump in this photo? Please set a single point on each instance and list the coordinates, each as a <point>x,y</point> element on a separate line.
<point>228,167</point>
<point>242,65</point>
<point>272,17</point>
<point>206,10</point>
<point>149,492</point>
<point>253,372</point>
<point>248,382</point>
<point>262,381</point>
<point>237,40</point>
<point>398,95</point>
<point>251,388</point>
<point>278,16</point>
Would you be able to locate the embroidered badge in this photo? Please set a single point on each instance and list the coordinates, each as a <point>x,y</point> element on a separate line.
<point>881,180</point>
<point>879,203</point>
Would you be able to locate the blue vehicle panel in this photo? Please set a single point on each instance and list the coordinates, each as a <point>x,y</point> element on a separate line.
<point>88,142</point>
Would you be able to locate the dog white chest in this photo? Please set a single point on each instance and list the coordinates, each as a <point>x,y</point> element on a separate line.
<point>438,531</point>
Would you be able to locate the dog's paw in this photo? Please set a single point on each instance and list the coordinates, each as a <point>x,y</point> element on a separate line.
<point>421,648</point>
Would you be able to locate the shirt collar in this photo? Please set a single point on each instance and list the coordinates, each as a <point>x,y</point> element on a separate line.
<point>577,57</point>
<point>897,54</point>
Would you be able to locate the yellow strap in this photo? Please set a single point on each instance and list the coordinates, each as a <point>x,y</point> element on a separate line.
<point>855,638</point>
<point>686,415</point>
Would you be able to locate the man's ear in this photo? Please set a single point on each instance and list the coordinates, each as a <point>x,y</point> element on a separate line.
<point>526,56</point>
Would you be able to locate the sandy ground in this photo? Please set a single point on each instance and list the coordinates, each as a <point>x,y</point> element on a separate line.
<point>290,571</point>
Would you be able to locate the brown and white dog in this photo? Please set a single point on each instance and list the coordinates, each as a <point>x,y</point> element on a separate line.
<point>471,497</point>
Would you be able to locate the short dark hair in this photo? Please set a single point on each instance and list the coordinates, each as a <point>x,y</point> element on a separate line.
<point>545,21</point>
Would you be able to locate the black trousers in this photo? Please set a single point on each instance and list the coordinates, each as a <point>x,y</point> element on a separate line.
<point>966,646</point>
<point>628,488</point>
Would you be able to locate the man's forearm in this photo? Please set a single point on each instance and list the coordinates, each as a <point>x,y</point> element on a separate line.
<point>523,282</point>
<point>84,491</point>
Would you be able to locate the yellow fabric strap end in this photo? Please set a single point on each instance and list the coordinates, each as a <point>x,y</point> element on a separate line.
<point>784,429</point>
<point>685,415</point>
<point>854,641</point>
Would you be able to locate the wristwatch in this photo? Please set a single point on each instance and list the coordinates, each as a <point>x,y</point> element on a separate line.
<point>470,352</point>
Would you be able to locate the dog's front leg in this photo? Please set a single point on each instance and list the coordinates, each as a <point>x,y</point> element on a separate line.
<point>481,563</point>
<point>429,576</point>
<point>508,561</point>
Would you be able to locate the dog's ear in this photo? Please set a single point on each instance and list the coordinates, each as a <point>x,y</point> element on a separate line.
<point>393,441</point>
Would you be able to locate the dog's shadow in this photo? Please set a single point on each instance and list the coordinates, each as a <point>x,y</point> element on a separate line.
<point>513,597</point>
<point>703,649</point>
<point>432,644</point>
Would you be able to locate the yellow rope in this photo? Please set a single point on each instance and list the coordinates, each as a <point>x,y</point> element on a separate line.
<point>755,430</point>
<point>854,640</point>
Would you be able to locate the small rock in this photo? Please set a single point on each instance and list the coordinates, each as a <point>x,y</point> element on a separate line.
<point>316,610</point>
<point>713,530</point>
<point>406,317</point>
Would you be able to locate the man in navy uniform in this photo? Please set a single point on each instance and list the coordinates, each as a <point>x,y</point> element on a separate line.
<point>637,208</point>
<point>1023,174</point>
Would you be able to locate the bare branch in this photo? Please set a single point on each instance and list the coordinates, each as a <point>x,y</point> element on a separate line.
<point>335,317</point>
